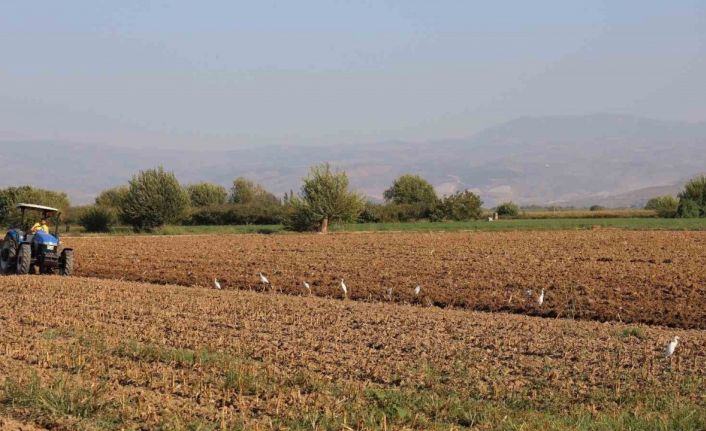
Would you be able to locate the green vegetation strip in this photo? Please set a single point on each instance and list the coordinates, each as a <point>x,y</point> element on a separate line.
<point>424,226</point>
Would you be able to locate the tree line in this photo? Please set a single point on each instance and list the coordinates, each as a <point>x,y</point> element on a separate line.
<point>689,203</point>
<point>154,197</point>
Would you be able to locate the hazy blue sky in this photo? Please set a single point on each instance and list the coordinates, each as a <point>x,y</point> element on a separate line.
<point>227,73</point>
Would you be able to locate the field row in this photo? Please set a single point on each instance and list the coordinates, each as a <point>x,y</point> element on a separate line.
<point>605,275</point>
<point>99,354</point>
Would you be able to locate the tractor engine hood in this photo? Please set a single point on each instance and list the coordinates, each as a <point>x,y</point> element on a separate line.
<point>44,238</point>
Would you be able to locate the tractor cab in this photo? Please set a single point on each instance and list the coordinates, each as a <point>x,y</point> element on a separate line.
<point>23,250</point>
<point>27,220</point>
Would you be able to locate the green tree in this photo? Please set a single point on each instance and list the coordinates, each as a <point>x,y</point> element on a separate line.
<point>325,198</point>
<point>508,209</point>
<point>665,206</point>
<point>247,192</point>
<point>113,197</point>
<point>411,189</point>
<point>96,218</point>
<point>206,194</point>
<point>692,200</point>
<point>462,206</point>
<point>688,209</point>
<point>11,196</point>
<point>154,198</point>
<point>5,207</point>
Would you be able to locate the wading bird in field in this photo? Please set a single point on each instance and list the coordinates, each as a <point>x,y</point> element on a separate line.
<point>344,289</point>
<point>540,300</point>
<point>216,284</point>
<point>417,290</point>
<point>671,347</point>
<point>307,287</point>
<point>264,279</point>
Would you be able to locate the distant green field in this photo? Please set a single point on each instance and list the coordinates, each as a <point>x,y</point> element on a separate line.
<point>424,226</point>
<point>534,224</point>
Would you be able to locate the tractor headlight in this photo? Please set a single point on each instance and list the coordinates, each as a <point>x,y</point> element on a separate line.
<point>51,247</point>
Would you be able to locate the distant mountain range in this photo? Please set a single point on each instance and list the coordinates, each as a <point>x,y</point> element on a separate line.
<point>604,159</point>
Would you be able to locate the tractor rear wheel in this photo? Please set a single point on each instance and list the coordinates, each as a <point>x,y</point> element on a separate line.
<point>66,263</point>
<point>24,259</point>
<point>8,256</point>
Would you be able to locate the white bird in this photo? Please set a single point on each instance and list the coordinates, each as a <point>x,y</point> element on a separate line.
<point>490,219</point>
<point>344,288</point>
<point>417,290</point>
<point>540,300</point>
<point>216,284</point>
<point>307,286</point>
<point>264,279</point>
<point>671,347</point>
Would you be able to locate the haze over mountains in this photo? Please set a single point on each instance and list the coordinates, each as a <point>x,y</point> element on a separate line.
<point>612,160</point>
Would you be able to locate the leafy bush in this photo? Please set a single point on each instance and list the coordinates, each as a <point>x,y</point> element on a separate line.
<point>665,206</point>
<point>96,218</point>
<point>155,197</point>
<point>692,200</point>
<point>229,214</point>
<point>371,213</point>
<point>508,209</point>
<point>299,217</point>
<point>596,208</point>
<point>461,206</point>
<point>393,213</point>
<point>688,209</point>
<point>206,194</point>
<point>247,192</point>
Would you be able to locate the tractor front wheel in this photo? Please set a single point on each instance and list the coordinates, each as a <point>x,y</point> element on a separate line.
<point>24,259</point>
<point>66,262</point>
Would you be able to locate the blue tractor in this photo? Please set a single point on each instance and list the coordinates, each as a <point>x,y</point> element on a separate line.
<point>24,253</point>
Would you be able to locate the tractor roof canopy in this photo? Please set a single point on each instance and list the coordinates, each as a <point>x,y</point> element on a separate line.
<point>36,207</point>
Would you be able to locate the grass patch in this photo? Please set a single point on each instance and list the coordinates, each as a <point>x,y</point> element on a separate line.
<point>633,332</point>
<point>57,333</point>
<point>168,355</point>
<point>245,380</point>
<point>61,398</point>
<point>380,408</point>
<point>242,393</point>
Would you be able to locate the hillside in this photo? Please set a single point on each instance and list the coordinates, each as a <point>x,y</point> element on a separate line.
<point>558,160</point>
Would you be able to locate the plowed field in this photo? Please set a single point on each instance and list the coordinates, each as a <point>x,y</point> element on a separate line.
<point>98,354</point>
<point>605,275</point>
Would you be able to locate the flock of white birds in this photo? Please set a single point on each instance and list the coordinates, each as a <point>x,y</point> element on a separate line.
<point>668,351</point>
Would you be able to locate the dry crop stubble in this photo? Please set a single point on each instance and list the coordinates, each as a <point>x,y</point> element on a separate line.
<point>87,353</point>
<point>605,275</point>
